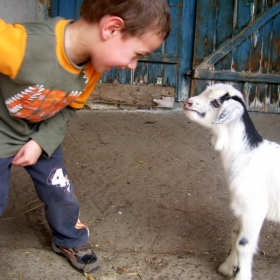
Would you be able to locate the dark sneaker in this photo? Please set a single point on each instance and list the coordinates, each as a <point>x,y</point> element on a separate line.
<point>80,257</point>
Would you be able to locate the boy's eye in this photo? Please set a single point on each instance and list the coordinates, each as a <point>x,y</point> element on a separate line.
<point>142,54</point>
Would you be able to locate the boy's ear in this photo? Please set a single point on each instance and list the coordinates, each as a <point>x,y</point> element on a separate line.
<point>110,26</point>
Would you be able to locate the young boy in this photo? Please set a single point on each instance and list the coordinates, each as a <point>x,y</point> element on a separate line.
<point>47,71</point>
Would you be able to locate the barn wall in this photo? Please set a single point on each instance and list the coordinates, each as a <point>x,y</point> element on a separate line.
<point>24,10</point>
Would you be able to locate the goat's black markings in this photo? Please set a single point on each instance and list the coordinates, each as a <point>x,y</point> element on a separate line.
<point>252,136</point>
<point>235,271</point>
<point>225,97</point>
<point>202,114</point>
<point>214,103</point>
<point>217,103</point>
<point>243,241</point>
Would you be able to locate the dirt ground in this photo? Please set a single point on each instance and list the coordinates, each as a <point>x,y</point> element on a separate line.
<point>153,195</point>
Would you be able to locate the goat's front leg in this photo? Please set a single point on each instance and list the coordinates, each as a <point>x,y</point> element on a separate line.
<point>244,244</point>
<point>229,267</point>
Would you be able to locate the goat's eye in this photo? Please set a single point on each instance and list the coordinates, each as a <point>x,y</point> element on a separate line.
<point>215,103</point>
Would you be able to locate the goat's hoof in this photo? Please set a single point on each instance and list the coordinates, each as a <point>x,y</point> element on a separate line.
<point>226,270</point>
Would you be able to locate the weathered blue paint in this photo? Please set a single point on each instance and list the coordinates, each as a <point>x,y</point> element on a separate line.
<point>201,51</point>
<point>245,50</point>
<point>186,49</point>
<point>241,56</point>
<point>224,30</point>
<point>226,75</point>
<point>66,8</point>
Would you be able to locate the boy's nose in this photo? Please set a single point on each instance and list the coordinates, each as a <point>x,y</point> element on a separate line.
<point>133,64</point>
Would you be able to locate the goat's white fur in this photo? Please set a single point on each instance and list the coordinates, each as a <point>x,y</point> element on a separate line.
<point>252,173</point>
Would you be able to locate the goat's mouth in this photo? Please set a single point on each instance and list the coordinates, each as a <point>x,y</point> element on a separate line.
<point>189,111</point>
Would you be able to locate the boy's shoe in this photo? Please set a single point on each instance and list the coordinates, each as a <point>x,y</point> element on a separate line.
<point>80,257</point>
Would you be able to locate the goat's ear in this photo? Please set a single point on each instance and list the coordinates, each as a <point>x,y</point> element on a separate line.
<point>228,112</point>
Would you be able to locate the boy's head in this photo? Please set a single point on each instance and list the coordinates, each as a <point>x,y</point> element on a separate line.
<point>139,16</point>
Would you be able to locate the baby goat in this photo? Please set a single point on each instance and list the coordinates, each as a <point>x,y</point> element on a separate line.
<point>251,165</point>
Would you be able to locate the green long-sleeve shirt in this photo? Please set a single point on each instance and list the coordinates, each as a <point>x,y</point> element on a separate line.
<point>40,88</point>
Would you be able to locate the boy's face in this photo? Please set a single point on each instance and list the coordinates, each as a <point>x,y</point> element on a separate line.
<point>124,52</point>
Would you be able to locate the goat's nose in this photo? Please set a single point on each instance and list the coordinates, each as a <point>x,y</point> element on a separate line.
<point>188,103</point>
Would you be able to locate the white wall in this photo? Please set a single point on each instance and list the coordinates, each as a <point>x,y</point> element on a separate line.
<point>19,10</point>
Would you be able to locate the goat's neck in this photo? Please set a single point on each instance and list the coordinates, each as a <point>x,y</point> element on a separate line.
<point>236,138</point>
<point>229,139</point>
<point>229,143</point>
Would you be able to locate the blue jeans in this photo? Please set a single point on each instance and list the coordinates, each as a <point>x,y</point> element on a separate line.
<point>56,191</point>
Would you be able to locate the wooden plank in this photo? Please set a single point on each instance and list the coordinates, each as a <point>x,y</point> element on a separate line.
<point>243,14</point>
<point>250,91</point>
<point>236,76</point>
<point>256,51</point>
<point>239,38</point>
<point>110,76</point>
<point>122,75</point>
<point>241,55</point>
<point>155,73</point>
<point>275,45</point>
<point>172,3</point>
<point>170,75</point>
<point>55,8</point>
<point>77,8</point>
<point>224,31</point>
<point>262,6</point>
<point>140,74</point>
<point>172,42</point>
<point>205,30</point>
<point>274,97</point>
<point>260,106</point>
<point>198,86</point>
<point>204,45</point>
<point>67,9</point>
<point>130,94</point>
<point>186,49</point>
<point>161,58</point>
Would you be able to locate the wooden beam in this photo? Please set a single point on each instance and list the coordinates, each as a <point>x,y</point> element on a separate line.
<point>236,76</point>
<point>141,96</point>
<point>239,38</point>
<point>160,58</point>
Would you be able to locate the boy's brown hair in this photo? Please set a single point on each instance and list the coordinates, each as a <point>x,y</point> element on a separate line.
<point>139,16</point>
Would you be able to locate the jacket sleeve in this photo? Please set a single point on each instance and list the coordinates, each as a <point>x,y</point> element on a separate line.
<point>12,47</point>
<point>52,132</point>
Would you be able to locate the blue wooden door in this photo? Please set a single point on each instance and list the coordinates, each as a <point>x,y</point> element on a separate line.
<point>238,42</point>
<point>167,65</point>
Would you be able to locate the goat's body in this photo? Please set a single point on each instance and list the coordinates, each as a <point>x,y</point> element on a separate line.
<point>253,175</point>
<point>251,167</point>
<point>254,186</point>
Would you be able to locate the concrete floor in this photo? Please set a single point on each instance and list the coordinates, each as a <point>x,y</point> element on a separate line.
<point>153,194</point>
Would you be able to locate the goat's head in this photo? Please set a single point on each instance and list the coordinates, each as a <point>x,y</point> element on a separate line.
<point>219,103</point>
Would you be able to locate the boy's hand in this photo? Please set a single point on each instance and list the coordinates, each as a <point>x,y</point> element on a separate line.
<point>27,154</point>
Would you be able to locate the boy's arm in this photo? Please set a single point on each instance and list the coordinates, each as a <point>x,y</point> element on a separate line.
<point>44,141</point>
<point>28,154</point>
<point>12,47</point>
<point>52,132</point>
